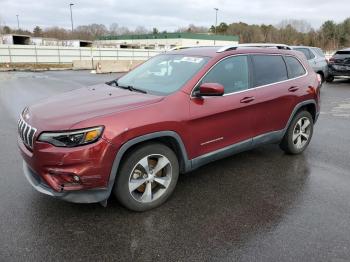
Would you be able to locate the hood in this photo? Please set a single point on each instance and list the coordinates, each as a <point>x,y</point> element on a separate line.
<point>63,111</point>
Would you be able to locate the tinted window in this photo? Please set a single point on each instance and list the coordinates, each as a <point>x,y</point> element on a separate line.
<point>308,54</point>
<point>342,53</point>
<point>232,73</point>
<point>268,69</point>
<point>295,68</point>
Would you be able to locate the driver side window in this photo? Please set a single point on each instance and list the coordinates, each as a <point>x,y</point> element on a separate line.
<point>232,73</point>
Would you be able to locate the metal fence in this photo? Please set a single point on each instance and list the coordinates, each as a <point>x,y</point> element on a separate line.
<point>62,55</point>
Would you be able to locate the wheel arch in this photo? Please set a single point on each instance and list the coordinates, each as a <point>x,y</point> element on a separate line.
<point>311,108</point>
<point>169,138</point>
<point>320,72</point>
<point>308,105</point>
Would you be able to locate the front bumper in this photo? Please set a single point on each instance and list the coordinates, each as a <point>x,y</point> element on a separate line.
<point>47,167</point>
<point>81,196</point>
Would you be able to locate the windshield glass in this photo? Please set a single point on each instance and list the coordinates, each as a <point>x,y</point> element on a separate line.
<point>163,74</point>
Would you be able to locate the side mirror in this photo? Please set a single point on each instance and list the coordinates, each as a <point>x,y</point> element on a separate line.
<point>210,89</point>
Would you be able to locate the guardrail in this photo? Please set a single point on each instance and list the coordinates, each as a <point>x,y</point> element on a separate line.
<point>63,55</point>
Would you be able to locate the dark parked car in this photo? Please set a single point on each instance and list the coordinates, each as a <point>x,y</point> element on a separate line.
<point>174,113</point>
<point>339,64</point>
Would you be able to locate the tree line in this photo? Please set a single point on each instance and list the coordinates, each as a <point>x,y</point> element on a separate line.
<point>330,36</point>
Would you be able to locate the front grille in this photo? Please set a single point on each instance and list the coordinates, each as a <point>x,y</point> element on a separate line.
<point>26,132</point>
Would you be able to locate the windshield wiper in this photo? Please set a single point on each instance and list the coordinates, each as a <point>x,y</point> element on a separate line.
<point>133,89</point>
<point>129,87</point>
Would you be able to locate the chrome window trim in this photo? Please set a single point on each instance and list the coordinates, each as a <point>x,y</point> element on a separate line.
<point>253,88</point>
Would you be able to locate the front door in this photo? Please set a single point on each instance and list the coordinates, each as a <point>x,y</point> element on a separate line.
<point>218,122</point>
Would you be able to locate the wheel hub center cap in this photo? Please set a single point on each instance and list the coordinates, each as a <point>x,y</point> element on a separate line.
<point>150,178</point>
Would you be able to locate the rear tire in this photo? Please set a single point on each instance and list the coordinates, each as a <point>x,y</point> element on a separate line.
<point>298,134</point>
<point>147,177</point>
<point>330,79</point>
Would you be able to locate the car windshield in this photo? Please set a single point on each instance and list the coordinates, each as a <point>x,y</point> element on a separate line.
<point>163,74</point>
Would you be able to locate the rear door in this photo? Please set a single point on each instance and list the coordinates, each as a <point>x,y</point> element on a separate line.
<point>275,93</point>
<point>217,122</point>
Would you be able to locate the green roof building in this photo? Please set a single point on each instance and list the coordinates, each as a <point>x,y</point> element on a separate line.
<point>166,40</point>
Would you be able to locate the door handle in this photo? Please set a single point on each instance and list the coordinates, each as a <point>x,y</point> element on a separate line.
<point>293,89</point>
<point>247,99</point>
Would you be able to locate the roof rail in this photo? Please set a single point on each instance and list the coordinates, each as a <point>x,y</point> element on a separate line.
<point>254,45</point>
<point>186,47</point>
<point>227,48</point>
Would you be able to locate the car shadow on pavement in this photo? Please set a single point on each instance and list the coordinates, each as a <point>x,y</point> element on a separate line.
<point>223,205</point>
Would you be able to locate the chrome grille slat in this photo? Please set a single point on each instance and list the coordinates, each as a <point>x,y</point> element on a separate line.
<point>26,132</point>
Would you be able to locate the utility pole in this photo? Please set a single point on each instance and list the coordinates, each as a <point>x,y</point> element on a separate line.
<point>17,22</point>
<point>216,20</point>
<point>71,15</point>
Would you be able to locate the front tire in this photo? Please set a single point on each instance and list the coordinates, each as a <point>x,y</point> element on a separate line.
<point>298,134</point>
<point>147,177</point>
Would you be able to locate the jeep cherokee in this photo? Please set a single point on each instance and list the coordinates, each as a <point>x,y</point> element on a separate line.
<point>172,114</point>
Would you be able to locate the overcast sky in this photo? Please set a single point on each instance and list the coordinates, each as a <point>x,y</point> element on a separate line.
<point>168,15</point>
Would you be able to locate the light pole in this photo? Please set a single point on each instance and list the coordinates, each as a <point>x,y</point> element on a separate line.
<point>216,20</point>
<point>71,15</point>
<point>17,22</point>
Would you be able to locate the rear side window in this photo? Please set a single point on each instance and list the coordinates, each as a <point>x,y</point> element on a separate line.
<point>308,54</point>
<point>319,52</point>
<point>268,69</point>
<point>232,73</point>
<point>295,68</point>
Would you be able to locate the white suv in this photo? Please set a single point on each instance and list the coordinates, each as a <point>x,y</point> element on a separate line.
<point>316,59</point>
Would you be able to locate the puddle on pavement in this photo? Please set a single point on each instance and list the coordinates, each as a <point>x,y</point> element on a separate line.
<point>342,109</point>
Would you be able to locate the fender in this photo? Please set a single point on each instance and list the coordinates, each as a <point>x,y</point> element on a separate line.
<point>295,110</point>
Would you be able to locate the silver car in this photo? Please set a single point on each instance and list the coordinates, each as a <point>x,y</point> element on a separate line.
<point>316,58</point>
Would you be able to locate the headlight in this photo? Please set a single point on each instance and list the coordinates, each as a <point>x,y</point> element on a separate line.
<point>72,138</point>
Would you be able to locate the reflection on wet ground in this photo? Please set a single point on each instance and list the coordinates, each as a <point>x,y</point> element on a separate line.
<point>260,205</point>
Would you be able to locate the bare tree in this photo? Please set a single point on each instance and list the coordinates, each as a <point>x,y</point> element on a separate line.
<point>141,30</point>
<point>300,25</point>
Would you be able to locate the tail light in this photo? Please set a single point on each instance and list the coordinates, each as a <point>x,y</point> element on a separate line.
<point>331,60</point>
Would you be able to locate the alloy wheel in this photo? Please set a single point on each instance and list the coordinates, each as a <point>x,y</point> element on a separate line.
<point>150,178</point>
<point>301,132</point>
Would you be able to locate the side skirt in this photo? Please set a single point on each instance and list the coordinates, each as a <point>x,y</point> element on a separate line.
<point>268,138</point>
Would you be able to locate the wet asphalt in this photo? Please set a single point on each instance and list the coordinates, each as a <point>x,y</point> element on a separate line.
<point>261,205</point>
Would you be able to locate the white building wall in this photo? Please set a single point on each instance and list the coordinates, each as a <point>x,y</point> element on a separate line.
<point>6,39</point>
<point>60,54</point>
<point>162,43</point>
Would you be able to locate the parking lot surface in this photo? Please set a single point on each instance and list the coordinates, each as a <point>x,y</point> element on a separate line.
<point>261,205</point>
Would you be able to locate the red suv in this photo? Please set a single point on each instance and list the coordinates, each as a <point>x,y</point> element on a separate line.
<point>174,113</point>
